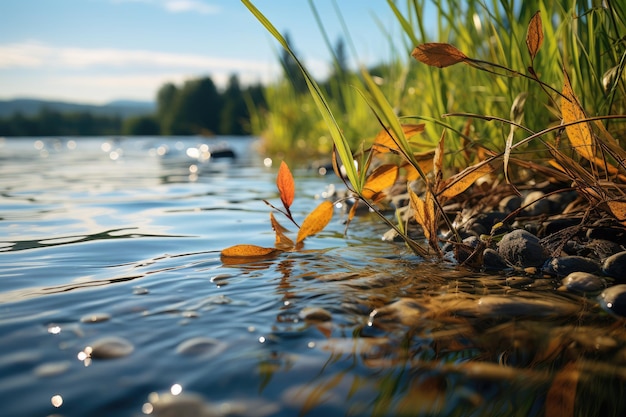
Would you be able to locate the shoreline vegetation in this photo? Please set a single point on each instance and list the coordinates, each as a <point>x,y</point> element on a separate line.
<point>500,149</point>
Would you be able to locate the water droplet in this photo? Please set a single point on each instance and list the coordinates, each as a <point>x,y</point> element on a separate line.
<point>56,400</point>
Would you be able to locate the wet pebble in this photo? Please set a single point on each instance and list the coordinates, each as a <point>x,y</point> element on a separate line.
<point>111,348</point>
<point>52,368</point>
<point>522,249</point>
<point>583,282</point>
<point>492,306</point>
<point>565,265</point>
<point>613,300</point>
<point>189,404</point>
<point>615,266</point>
<point>314,314</point>
<point>95,318</point>
<point>201,346</point>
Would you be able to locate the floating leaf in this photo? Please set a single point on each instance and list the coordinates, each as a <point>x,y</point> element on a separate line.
<point>316,221</point>
<point>248,251</point>
<point>380,179</point>
<point>579,134</point>
<point>286,185</point>
<point>384,142</point>
<point>282,241</point>
<point>460,182</point>
<point>534,36</point>
<point>438,54</point>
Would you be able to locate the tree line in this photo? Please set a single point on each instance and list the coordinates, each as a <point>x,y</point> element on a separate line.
<point>196,107</point>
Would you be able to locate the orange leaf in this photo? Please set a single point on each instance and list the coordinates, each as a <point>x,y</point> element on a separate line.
<point>282,241</point>
<point>460,182</point>
<point>618,208</point>
<point>247,251</point>
<point>561,398</point>
<point>579,134</point>
<point>381,178</point>
<point>438,54</point>
<point>316,221</point>
<point>438,159</point>
<point>384,143</point>
<point>286,185</point>
<point>534,36</point>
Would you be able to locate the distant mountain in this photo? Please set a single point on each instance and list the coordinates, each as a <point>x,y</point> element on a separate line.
<point>31,107</point>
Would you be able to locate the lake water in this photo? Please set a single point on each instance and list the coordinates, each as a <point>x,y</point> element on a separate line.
<point>114,301</point>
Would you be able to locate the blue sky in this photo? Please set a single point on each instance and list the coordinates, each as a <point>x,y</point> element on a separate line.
<point>94,51</point>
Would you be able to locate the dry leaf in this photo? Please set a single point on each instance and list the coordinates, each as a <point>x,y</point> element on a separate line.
<point>438,159</point>
<point>421,213</point>
<point>247,251</point>
<point>460,182</point>
<point>579,134</point>
<point>282,241</point>
<point>618,208</point>
<point>438,54</point>
<point>534,36</point>
<point>380,179</point>
<point>316,221</point>
<point>286,185</point>
<point>384,143</point>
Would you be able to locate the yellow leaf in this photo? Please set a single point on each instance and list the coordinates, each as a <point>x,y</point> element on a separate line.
<point>384,143</point>
<point>282,241</point>
<point>460,182</point>
<point>247,251</point>
<point>421,213</point>
<point>438,54</point>
<point>579,134</point>
<point>618,208</point>
<point>534,36</point>
<point>380,179</point>
<point>286,185</point>
<point>316,221</point>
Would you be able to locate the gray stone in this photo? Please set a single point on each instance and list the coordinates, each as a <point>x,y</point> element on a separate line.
<point>522,249</point>
<point>613,300</point>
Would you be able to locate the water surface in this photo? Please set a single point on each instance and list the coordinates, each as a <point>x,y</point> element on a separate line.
<point>114,301</point>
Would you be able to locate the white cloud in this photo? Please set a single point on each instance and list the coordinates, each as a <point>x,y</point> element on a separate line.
<point>178,6</point>
<point>40,55</point>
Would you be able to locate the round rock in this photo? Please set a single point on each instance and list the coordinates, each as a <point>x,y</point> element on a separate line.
<point>615,266</point>
<point>111,348</point>
<point>522,248</point>
<point>565,265</point>
<point>583,282</point>
<point>613,300</point>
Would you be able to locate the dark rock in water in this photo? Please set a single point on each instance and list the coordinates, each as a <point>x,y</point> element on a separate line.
<point>615,267</point>
<point>493,260</point>
<point>583,282</point>
<point>613,300</point>
<point>565,265</point>
<point>522,249</point>
<point>462,252</point>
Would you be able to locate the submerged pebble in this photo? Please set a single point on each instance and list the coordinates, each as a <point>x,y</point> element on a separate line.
<point>110,348</point>
<point>52,368</point>
<point>613,300</point>
<point>201,346</point>
<point>95,318</point>
<point>315,314</point>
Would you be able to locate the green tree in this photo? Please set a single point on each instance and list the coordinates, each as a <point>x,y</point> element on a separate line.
<point>141,126</point>
<point>234,112</point>
<point>166,101</point>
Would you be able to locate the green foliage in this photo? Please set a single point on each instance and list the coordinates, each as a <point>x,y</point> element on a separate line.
<point>141,126</point>
<point>53,123</point>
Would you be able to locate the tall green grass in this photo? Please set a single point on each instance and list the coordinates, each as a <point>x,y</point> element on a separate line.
<point>587,39</point>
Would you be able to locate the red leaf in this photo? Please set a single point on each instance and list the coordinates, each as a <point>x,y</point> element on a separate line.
<point>438,54</point>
